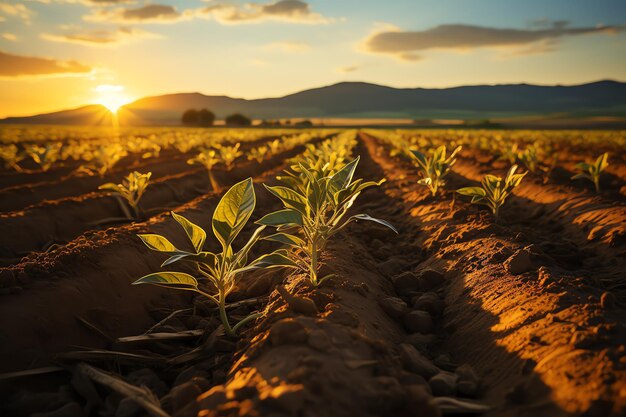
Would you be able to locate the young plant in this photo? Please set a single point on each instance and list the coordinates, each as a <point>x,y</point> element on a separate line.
<point>131,189</point>
<point>434,167</point>
<point>258,154</point>
<point>45,156</point>
<point>208,158</point>
<point>220,271</point>
<point>529,158</point>
<point>592,171</point>
<point>11,156</point>
<point>315,206</point>
<point>494,190</point>
<point>103,158</point>
<point>229,154</point>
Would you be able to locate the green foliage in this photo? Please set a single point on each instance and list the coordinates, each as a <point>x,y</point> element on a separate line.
<point>131,189</point>
<point>220,271</point>
<point>528,157</point>
<point>434,166</point>
<point>494,190</point>
<point>206,157</point>
<point>316,200</point>
<point>11,156</point>
<point>592,171</point>
<point>46,155</point>
<point>103,158</point>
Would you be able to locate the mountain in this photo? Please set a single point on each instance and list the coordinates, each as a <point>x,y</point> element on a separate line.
<point>364,100</point>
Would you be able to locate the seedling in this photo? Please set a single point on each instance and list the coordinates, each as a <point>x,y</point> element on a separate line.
<point>220,270</point>
<point>229,154</point>
<point>11,156</point>
<point>529,158</point>
<point>103,159</point>
<point>434,167</point>
<point>592,171</point>
<point>131,189</point>
<point>493,190</point>
<point>258,154</point>
<point>208,158</point>
<point>44,156</point>
<point>315,206</point>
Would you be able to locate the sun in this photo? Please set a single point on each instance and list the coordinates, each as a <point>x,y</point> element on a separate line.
<point>111,96</point>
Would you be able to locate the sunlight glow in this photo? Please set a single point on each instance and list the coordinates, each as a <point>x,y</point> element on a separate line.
<point>111,97</point>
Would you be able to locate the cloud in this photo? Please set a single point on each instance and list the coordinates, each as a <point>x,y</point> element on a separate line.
<point>102,38</point>
<point>28,66</point>
<point>291,47</point>
<point>406,44</point>
<point>292,11</point>
<point>150,13</point>
<point>17,10</point>
<point>348,69</point>
<point>9,36</point>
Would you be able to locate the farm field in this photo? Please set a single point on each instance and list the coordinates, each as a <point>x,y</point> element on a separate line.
<point>355,297</point>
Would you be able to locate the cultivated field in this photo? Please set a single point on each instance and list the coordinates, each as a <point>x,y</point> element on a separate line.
<point>355,297</point>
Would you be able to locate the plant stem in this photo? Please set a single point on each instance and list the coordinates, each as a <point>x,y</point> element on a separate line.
<point>222,307</point>
<point>596,183</point>
<point>314,261</point>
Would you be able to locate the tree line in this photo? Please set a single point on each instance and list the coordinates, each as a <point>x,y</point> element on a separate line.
<point>206,118</point>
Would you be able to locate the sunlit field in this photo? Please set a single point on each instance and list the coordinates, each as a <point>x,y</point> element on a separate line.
<point>306,208</point>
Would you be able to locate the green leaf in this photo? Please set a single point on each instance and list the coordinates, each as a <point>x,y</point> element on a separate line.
<point>233,211</point>
<point>373,219</point>
<point>158,243</point>
<point>290,198</point>
<point>274,260</point>
<point>343,177</point>
<point>110,187</point>
<point>286,239</point>
<point>195,233</point>
<point>421,158</point>
<point>281,217</point>
<point>178,280</point>
<point>471,191</point>
<point>242,255</point>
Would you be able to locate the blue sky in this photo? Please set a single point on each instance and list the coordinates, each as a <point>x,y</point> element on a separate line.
<point>67,48</point>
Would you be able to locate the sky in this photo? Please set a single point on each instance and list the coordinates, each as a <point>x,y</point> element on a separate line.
<point>59,54</point>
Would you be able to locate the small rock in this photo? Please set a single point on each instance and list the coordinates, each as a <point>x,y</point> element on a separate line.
<point>607,300</point>
<point>72,409</point>
<point>287,331</point>
<point>430,302</point>
<point>519,262</point>
<point>420,402</point>
<point>394,307</point>
<point>467,389</point>
<point>429,279</point>
<point>416,362</point>
<point>128,408</point>
<point>418,321</point>
<point>443,384</point>
<point>148,378</point>
<point>183,394</point>
<point>406,282</point>
<point>289,398</point>
<point>420,341</point>
<point>302,305</point>
<point>393,266</point>
<point>318,339</point>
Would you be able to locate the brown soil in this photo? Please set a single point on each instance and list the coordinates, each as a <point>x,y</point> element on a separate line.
<point>520,317</point>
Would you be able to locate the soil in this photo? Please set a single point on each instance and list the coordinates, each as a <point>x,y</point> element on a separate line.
<point>456,314</point>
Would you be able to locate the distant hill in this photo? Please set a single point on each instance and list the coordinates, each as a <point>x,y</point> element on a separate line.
<point>363,100</point>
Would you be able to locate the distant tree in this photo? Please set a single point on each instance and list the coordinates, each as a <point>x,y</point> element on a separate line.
<point>206,117</point>
<point>238,120</point>
<point>304,123</point>
<point>190,117</point>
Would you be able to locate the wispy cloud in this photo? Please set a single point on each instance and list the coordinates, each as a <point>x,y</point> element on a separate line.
<point>102,38</point>
<point>9,36</point>
<point>16,10</point>
<point>150,13</point>
<point>291,47</point>
<point>348,69</point>
<point>292,11</point>
<point>406,44</point>
<point>28,66</point>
